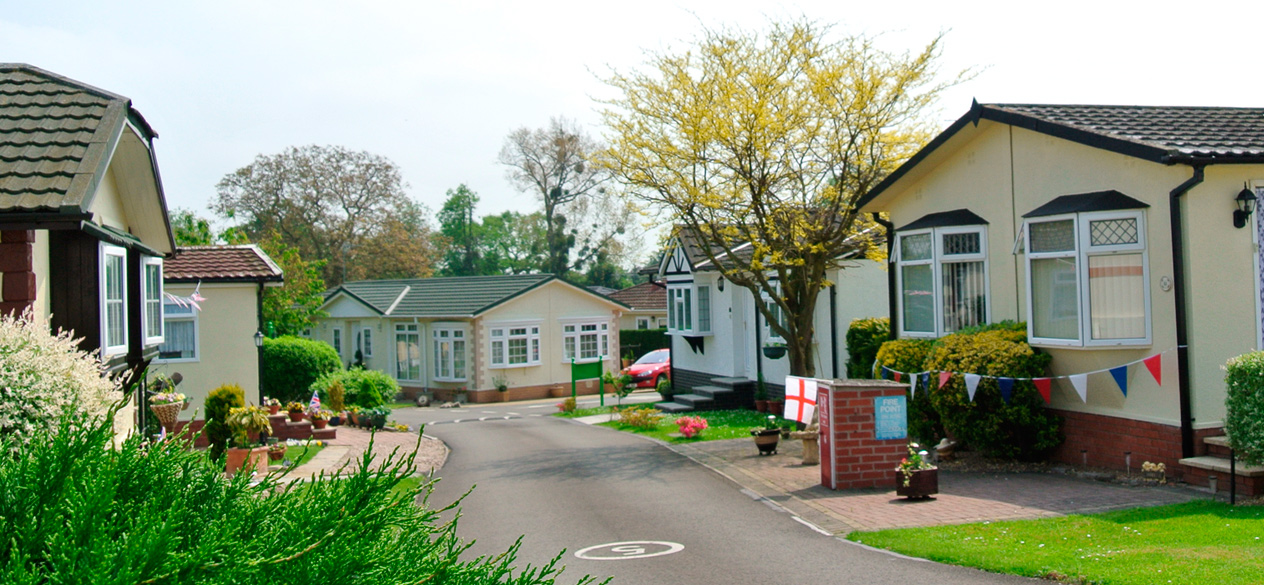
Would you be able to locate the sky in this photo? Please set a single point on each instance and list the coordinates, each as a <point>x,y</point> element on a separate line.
<point>436,87</point>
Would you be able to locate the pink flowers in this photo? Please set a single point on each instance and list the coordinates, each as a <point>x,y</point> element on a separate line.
<point>690,426</point>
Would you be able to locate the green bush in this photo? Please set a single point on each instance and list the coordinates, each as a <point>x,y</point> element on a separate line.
<point>639,342</point>
<point>1244,406</point>
<point>363,388</point>
<point>1022,429</point>
<point>665,390</point>
<point>218,404</point>
<point>909,356</point>
<point>864,337</point>
<point>291,364</point>
<point>77,510</point>
<point>1006,325</point>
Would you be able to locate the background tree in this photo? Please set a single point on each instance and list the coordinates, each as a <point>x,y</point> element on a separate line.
<point>330,203</point>
<point>463,233</point>
<point>403,245</point>
<point>294,306</point>
<point>769,139</point>
<point>191,229</point>
<point>555,164</point>
<point>514,243</point>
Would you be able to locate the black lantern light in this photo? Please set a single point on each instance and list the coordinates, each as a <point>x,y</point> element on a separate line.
<point>1246,203</point>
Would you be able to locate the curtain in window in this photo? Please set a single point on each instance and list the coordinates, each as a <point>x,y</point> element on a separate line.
<point>919,297</point>
<point>965,294</point>
<point>180,341</point>
<point>1054,307</point>
<point>1116,286</point>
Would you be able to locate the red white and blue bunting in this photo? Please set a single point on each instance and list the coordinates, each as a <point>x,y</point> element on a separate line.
<point>1153,364</point>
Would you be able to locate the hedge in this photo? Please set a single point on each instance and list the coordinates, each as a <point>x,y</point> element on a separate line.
<point>909,355</point>
<point>639,342</point>
<point>864,337</point>
<point>363,388</point>
<point>291,364</point>
<point>1244,406</point>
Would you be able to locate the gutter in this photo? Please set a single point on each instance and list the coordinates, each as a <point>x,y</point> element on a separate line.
<point>893,318</point>
<point>1182,334</point>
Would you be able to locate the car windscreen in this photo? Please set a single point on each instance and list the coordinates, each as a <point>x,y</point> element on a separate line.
<point>654,357</point>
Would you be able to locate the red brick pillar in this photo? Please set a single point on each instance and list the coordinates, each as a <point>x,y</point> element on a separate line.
<point>852,455</point>
<point>17,264</point>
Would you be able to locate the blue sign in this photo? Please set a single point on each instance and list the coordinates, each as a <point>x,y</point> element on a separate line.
<point>890,418</point>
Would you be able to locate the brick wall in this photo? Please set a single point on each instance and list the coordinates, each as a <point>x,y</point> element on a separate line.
<point>856,458</point>
<point>17,291</point>
<point>585,387</point>
<point>1106,438</point>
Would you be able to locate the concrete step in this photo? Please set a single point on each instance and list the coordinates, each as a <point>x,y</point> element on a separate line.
<point>714,392</point>
<point>1221,465</point>
<point>1221,441</point>
<point>673,407</point>
<point>325,434</point>
<point>731,382</point>
<point>695,401</point>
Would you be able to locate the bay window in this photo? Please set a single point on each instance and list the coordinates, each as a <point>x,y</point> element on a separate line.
<point>514,345</point>
<point>449,354</point>
<point>942,273</point>
<point>688,309</point>
<point>588,341</point>
<point>113,300</point>
<point>407,352</point>
<point>1088,282</point>
<point>151,309</point>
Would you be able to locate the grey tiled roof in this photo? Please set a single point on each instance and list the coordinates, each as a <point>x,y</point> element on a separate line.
<point>56,135</point>
<point>442,297</point>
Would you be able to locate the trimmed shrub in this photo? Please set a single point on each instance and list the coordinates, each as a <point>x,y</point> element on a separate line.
<point>42,377</point>
<point>909,355</point>
<point>864,338</point>
<point>334,396</point>
<point>218,404</point>
<point>1023,429</point>
<point>363,388</point>
<point>642,341</point>
<point>665,389</point>
<point>1019,327</point>
<point>78,510</point>
<point>1244,406</point>
<point>291,364</point>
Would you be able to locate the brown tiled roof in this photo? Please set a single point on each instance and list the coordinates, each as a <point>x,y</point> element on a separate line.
<point>647,296</point>
<point>56,137</point>
<point>221,264</point>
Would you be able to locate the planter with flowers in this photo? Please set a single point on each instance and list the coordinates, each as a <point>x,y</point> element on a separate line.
<point>276,451</point>
<point>320,418</point>
<point>774,350</point>
<point>295,410</point>
<point>244,422</point>
<point>167,406</point>
<point>767,436</point>
<point>916,477</point>
<point>274,405</point>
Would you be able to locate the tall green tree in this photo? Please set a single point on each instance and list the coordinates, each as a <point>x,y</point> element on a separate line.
<point>294,306</point>
<point>514,243</point>
<point>457,224</point>
<point>191,229</point>
<point>768,140</point>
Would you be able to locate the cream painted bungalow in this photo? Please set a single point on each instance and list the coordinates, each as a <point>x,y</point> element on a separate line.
<point>718,337</point>
<point>647,306</point>
<point>439,335</point>
<point>211,342</point>
<point>82,216</point>
<point>1116,233</point>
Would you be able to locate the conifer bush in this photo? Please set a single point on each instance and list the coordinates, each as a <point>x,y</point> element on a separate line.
<point>218,404</point>
<point>78,511</point>
<point>1244,406</point>
<point>864,338</point>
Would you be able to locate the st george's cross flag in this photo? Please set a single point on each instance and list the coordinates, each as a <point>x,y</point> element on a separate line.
<point>800,399</point>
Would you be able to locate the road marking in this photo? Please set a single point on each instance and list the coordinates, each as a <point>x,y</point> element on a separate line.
<point>489,412</point>
<point>540,406</point>
<point>634,549</point>
<point>484,418</point>
<point>814,527</point>
<point>514,414</point>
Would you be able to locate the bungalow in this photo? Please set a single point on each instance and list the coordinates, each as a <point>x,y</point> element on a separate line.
<point>718,336</point>
<point>1117,233</point>
<point>647,306</point>
<point>210,342</point>
<point>442,335</point>
<point>82,216</point>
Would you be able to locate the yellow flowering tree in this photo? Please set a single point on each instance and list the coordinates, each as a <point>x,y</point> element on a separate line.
<point>767,140</point>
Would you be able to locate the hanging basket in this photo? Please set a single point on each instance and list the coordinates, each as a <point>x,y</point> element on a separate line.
<point>167,414</point>
<point>774,352</point>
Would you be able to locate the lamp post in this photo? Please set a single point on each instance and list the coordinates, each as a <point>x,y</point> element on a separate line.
<point>259,360</point>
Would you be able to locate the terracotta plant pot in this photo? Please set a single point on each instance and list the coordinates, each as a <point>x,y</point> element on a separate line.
<point>777,407</point>
<point>922,484</point>
<point>246,460</point>
<point>274,409</point>
<point>276,454</point>
<point>761,406</point>
<point>766,440</point>
<point>319,423</point>
<point>295,416</point>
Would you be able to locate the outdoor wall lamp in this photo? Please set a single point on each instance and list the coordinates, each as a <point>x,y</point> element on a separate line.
<point>258,339</point>
<point>1246,202</point>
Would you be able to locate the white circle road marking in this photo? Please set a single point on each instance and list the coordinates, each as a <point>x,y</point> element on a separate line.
<point>634,549</point>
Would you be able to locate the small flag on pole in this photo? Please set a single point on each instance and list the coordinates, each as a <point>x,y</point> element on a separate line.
<point>314,405</point>
<point>1121,377</point>
<point>972,384</point>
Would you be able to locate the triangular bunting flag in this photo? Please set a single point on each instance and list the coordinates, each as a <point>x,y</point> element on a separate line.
<point>882,372</point>
<point>926,381</point>
<point>1080,381</point>
<point>1007,388</point>
<point>1154,363</point>
<point>972,384</point>
<point>898,375</point>
<point>1044,386</point>
<point>943,378</point>
<point>913,385</point>
<point>1121,378</point>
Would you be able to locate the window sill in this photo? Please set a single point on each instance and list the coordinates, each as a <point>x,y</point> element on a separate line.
<point>1093,346</point>
<point>512,366</point>
<point>689,333</point>
<point>448,380</point>
<point>192,360</point>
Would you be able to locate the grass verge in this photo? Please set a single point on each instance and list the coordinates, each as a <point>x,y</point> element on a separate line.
<point>302,454</point>
<point>721,424</point>
<point>1196,542</point>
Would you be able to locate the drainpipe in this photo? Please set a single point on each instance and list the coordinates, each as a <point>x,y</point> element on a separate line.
<point>891,292</point>
<point>833,300</point>
<point>260,328</point>
<point>1182,335</point>
<point>759,350</point>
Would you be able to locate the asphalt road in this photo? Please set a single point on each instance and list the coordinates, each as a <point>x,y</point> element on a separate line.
<point>666,520</point>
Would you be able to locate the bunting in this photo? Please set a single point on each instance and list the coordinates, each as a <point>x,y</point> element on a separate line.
<point>1044,386</point>
<point>972,384</point>
<point>1080,381</point>
<point>1154,363</point>
<point>1007,388</point>
<point>1121,377</point>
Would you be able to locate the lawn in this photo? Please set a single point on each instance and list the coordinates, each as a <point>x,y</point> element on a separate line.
<point>302,454</point>
<point>721,424</point>
<point>1197,542</point>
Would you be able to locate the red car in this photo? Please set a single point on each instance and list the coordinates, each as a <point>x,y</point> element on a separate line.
<point>650,369</point>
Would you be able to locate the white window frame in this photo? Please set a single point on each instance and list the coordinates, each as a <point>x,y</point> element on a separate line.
<point>1083,251</point>
<point>454,333</point>
<point>499,334</point>
<point>937,261</point>
<point>148,304</point>
<point>573,332</point>
<point>409,330</point>
<point>338,340</point>
<point>775,309</point>
<point>366,334</point>
<point>108,252</point>
<point>642,323</point>
<point>683,304</point>
<point>197,339</point>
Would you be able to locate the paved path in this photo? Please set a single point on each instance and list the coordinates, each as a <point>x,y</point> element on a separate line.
<point>351,444</point>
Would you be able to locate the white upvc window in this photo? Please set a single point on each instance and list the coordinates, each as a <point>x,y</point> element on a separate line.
<point>338,341</point>
<point>514,344</point>
<point>642,323</point>
<point>180,336</point>
<point>368,342</point>
<point>407,352</point>
<point>688,309</point>
<point>778,315</point>
<point>449,353</point>
<point>113,300</point>
<point>942,276</point>
<point>1088,279</point>
<point>151,285</point>
<point>585,341</point>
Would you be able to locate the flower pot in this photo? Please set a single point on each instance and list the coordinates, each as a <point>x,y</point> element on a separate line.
<point>335,421</point>
<point>776,407</point>
<point>761,406</point>
<point>774,352</point>
<point>319,423</point>
<point>276,454</point>
<point>246,460</point>
<point>274,408</point>
<point>559,392</point>
<point>766,440</point>
<point>922,483</point>
<point>377,421</point>
<point>295,416</point>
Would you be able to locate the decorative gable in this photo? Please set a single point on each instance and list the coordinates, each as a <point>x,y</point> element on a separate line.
<point>676,262</point>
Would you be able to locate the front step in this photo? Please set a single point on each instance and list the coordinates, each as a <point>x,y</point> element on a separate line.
<point>1221,465</point>
<point>695,401</point>
<point>673,407</point>
<point>1198,471</point>
<point>722,398</point>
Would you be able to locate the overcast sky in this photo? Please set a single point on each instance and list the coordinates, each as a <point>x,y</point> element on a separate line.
<point>435,87</point>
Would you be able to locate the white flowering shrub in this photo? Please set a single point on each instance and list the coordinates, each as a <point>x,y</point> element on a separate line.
<point>43,376</point>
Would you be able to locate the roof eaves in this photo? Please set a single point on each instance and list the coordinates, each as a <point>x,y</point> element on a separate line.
<point>518,293</point>
<point>341,290</point>
<point>1079,135</point>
